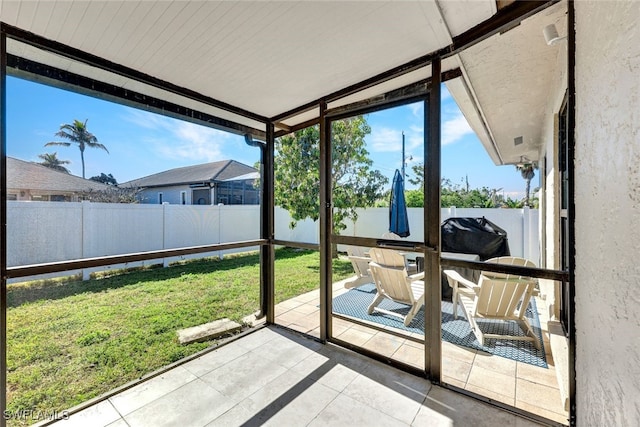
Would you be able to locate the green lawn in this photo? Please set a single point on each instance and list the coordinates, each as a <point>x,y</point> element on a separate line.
<point>74,340</point>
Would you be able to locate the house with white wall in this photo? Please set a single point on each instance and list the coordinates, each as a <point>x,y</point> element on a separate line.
<point>226,182</point>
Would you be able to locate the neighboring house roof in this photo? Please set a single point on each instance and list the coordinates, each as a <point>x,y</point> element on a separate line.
<point>250,175</point>
<point>22,175</point>
<point>225,170</point>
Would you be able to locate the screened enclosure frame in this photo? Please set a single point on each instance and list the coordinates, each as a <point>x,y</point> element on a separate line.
<point>503,19</point>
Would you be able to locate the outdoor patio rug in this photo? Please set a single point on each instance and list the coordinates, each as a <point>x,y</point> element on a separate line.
<point>354,303</point>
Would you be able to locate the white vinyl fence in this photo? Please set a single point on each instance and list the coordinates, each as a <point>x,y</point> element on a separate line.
<point>42,232</point>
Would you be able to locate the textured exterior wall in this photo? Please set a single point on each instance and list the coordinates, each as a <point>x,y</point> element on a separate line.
<point>607,182</point>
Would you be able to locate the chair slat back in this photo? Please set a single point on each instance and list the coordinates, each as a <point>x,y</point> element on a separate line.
<point>360,267</point>
<point>387,257</point>
<point>500,293</point>
<point>392,282</point>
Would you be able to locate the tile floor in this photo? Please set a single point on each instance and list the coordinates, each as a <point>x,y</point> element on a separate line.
<point>517,384</point>
<point>276,377</point>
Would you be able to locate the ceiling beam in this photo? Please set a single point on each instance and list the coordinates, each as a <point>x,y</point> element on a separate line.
<point>506,18</point>
<point>46,74</point>
<point>398,96</point>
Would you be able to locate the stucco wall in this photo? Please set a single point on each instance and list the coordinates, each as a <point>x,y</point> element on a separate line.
<point>607,182</point>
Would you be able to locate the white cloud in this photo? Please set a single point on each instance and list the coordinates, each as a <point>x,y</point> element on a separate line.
<point>455,129</point>
<point>176,139</point>
<point>386,140</point>
<point>417,109</point>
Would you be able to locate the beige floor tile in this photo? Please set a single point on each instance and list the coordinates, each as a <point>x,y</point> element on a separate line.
<point>457,370</point>
<point>315,332</point>
<point>539,395</point>
<point>452,381</point>
<point>383,344</point>
<point>364,328</point>
<point>559,418</point>
<point>310,297</point>
<point>307,309</point>
<point>289,317</point>
<point>463,354</point>
<point>355,336</point>
<point>280,309</point>
<point>493,381</point>
<point>309,325</point>
<point>410,355</point>
<point>497,364</point>
<point>536,374</point>
<point>414,344</point>
<point>298,328</point>
<point>339,326</point>
<point>491,394</point>
<point>290,303</point>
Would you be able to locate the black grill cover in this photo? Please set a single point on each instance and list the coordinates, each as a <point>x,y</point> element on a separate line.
<point>474,236</point>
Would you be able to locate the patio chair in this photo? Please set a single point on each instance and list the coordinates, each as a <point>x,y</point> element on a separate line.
<point>360,262</point>
<point>496,296</point>
<point>393,282</point>
<point>411,264</point>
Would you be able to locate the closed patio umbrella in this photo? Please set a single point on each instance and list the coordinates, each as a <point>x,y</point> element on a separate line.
<point>398,219</point>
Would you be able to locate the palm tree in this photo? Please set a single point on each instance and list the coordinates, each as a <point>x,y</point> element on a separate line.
<point>528,172</point>
<point>77,133</point>
<point>52,161</point>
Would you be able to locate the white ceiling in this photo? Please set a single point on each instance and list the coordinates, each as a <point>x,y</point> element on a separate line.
<point>269,57</point>
<point>513,78</point>
<point>266,57</point>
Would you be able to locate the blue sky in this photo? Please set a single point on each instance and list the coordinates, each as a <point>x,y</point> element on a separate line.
<point>142,143</point>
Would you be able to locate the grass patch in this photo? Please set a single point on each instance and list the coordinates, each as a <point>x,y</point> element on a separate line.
<point>69,341</point>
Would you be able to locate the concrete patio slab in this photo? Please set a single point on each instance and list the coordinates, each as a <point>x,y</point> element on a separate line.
<point>277,377</point>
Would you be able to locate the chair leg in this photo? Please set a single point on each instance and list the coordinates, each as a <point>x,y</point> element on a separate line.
<point>528,330</point>
<point>475,328</point>
<point>377,300</point>
<point>455,301</point>
<point>412,313</point>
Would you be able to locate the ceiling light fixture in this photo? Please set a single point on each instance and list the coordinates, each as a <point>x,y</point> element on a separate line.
<point>551,35</point>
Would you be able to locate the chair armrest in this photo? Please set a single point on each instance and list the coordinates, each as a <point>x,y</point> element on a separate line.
<point>417,276</point>
<point>455,276</point>
<point>359,258</point>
